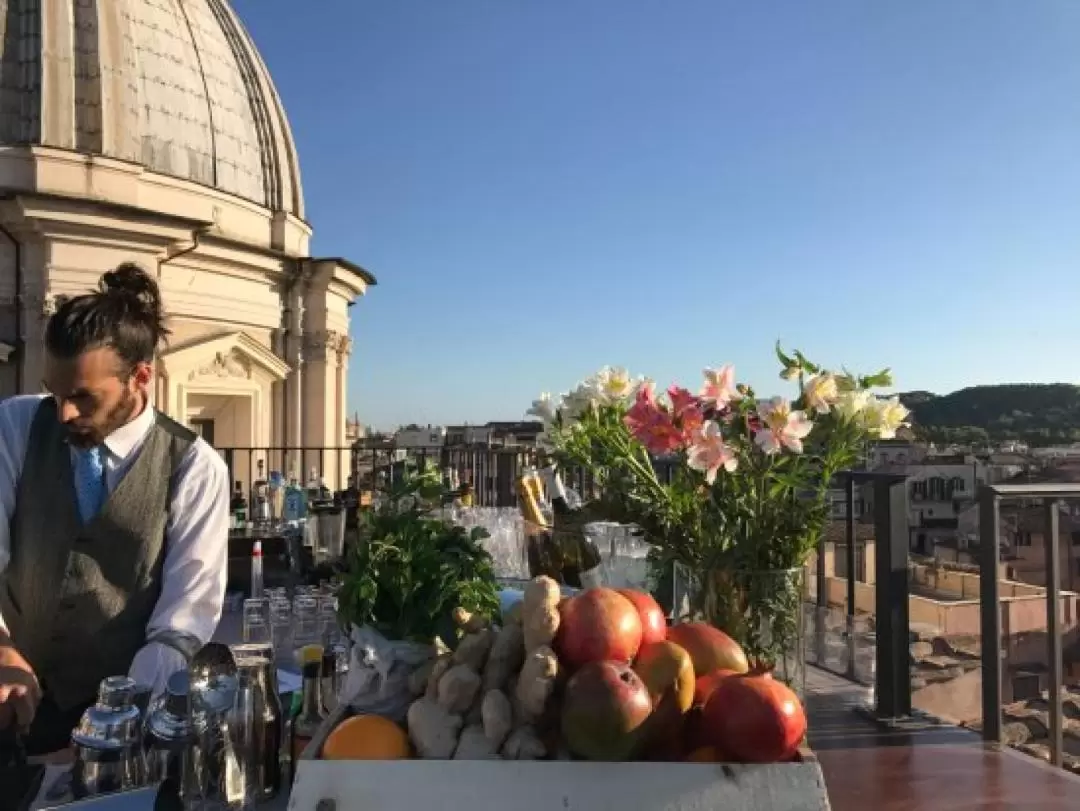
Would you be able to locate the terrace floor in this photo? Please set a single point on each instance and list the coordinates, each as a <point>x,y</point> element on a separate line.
<point>869,767</point>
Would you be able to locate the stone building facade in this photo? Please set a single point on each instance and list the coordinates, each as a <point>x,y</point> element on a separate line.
<point>150,131</point>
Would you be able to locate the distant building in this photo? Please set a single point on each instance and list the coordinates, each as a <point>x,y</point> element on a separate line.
<point>417,437</point>
<point>494,434</point>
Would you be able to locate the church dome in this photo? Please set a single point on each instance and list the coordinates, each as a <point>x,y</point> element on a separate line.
<point>176,86</point>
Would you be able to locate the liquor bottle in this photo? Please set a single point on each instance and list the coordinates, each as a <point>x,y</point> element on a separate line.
<point>307,721</point>
<point>260,497</point>
<point>295,503</point>
<point>276,492</point>
<point>314,491</point>
<point>238,506</point>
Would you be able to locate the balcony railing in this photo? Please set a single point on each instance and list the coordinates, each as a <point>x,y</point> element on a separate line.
<point>991,498</point>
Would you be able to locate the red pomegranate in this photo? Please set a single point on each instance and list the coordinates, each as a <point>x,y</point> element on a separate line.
<point>598,625</point>
<point>705,685</point>
<point>756,719</point>
<point>653,621</point>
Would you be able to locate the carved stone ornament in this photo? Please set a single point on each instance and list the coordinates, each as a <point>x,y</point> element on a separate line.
<point>345,346</point>
<point>224,365</point>
<point>318,345</point>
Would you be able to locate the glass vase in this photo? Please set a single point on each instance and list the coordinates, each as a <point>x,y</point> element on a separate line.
<point>764,611</point>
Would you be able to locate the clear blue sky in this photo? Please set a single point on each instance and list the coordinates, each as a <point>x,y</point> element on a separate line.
<point>545,187</point>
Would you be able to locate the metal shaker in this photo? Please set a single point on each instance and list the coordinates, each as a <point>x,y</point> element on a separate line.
<point>258,720</point>
<point>170,739</point>
<point>108,742</point>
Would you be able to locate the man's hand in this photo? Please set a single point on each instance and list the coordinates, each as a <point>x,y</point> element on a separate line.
<point>19,688</point>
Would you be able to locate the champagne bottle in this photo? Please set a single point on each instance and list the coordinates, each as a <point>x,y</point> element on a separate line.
<point>581,565</point>
<point>540,549</point>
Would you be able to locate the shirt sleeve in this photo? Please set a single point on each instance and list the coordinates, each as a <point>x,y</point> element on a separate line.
<point>16,416</point>
<point>196,562</point>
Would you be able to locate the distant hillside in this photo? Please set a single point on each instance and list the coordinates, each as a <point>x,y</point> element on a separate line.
<point>1033,413</point>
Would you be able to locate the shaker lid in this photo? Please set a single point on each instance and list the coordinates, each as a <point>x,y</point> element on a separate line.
<point>112,723</point>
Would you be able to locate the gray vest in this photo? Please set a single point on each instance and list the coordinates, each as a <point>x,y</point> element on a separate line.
<point>77,597</point>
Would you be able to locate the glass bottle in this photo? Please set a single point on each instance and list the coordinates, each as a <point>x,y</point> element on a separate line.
<point>310,716</point>
<point>238,506</point>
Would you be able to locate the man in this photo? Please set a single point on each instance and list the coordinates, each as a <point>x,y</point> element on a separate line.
<point>114,524</point>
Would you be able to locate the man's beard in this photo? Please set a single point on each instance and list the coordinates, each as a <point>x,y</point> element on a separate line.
<point>119,415</point>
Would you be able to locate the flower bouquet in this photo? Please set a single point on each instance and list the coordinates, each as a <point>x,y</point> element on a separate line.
<point>730,490</point>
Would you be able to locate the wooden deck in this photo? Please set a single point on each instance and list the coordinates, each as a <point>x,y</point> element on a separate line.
<point>921,766</point>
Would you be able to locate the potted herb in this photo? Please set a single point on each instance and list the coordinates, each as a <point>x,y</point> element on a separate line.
<point>412,568</point>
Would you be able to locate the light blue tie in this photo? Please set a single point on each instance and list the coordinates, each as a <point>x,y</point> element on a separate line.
<point>89,482</point>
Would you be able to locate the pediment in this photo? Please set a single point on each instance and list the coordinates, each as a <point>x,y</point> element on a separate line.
<point>234,355</point>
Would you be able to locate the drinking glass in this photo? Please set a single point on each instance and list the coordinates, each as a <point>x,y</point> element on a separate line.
<point>327,618</point>
<point>280,623</point>
<point>305,626</point>
<point>257,622</point>
<point>626,565</point>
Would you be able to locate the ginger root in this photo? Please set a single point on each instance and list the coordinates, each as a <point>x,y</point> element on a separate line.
<point>506,657</point>
<point>419,678</point>
<point>514,614</point>
<point>473,649</point>
<point>536,682</point>
<point>432,730</point>
<point>497,716</point>
<point>442,663</point>
<point>524,744</point>
<point>457,688</point>
<point>540,612</point>
<point>475,745</point>
<point>469,622</point>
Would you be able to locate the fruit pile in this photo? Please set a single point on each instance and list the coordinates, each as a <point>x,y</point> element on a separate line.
<point>638,689</point>
<point>597,676</point>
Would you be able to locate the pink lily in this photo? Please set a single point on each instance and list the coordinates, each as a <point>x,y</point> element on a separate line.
<point>782,428</point>
<point>709,452</point>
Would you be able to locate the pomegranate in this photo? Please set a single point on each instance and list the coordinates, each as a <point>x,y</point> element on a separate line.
<point>705,685</point>
<point>756,719</point>
<point>653,621</point>
<point>709,648</point>
<point>598,625</point>
<point>604,712</point>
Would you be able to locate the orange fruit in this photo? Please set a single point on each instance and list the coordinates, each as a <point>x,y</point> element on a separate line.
<point>366,737</point>
<point>704,754</point>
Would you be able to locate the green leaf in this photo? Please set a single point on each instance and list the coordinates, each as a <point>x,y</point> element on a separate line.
<point>785,361</point>
<point>806,365</point>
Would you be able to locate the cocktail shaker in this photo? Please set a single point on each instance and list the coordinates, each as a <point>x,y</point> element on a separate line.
<point>170,740</point>
<point>108,742</point>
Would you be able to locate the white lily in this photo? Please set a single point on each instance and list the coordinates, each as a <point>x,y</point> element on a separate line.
<point>885,417</point>
<point>821,393</point>
<point>543,409</point>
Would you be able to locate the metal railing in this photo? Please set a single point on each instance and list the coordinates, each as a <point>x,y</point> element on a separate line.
<point>492,472</point>
<point>990,500</point>
<point>892,669</point>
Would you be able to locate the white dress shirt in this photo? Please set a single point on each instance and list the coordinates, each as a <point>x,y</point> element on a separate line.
<point>196,535</point>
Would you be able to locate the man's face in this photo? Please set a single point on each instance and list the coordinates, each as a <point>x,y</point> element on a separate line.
<point>95,393</point>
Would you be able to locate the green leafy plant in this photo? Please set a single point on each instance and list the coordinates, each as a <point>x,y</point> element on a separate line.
<point>411,568</point>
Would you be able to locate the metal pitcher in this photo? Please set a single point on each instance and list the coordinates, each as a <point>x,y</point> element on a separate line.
<point>257,721</point>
